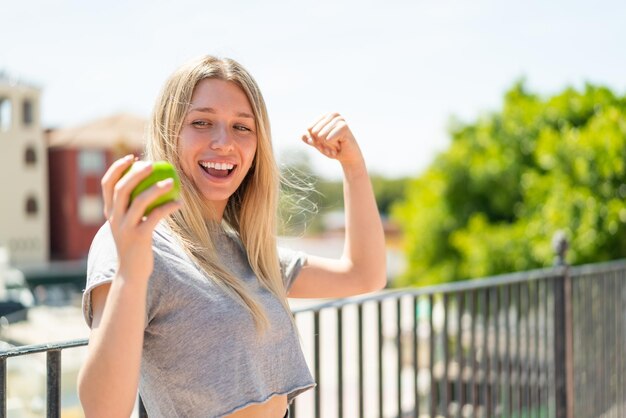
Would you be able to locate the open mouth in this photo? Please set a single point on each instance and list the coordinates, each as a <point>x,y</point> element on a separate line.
<point>221,170</point>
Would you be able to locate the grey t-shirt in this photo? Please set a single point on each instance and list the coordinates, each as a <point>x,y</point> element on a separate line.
<point>201,354</point>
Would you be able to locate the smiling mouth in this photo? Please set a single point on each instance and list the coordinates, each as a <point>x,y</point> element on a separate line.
<point>221,170</point>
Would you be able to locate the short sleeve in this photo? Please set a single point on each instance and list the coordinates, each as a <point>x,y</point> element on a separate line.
<point>291,262</point>
<point>102,265</point>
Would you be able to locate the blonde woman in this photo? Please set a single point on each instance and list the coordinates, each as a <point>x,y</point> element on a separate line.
<point>189,304</point>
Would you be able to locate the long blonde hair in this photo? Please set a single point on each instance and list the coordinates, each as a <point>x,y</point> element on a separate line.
<point>251,211</point>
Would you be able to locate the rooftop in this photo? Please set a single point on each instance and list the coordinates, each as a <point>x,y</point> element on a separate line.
<point>120,129</point>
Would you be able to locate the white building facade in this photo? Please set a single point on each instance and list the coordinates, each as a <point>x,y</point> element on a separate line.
<point>23,174</point>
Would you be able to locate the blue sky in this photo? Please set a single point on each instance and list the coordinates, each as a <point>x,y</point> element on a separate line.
<point>397,70</point>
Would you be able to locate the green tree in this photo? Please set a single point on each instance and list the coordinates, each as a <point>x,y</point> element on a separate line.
<point>388,191</point>
<point>491,203</point>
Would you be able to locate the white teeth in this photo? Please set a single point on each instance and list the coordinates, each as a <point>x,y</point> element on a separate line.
<point>217,166</point>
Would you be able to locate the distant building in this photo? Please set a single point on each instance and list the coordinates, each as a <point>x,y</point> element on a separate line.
<point>23,171</point>
<point>78,158</point>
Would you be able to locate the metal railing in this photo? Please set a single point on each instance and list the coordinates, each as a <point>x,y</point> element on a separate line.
<point>544,343</point>
<point>53,374</point>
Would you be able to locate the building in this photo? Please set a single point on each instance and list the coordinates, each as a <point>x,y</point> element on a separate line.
<point>24,213</point>
<point>78,158</point>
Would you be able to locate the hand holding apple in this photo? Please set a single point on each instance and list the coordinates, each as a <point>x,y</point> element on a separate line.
<point>161,170</point>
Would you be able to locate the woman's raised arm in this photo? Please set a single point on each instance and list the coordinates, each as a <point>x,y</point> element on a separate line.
<point>362,267</point>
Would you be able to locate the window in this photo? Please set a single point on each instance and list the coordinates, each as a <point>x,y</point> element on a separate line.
<point>31,206</point>
<point>90,210</point>
<point>27,112</point>
<point>5,114</point>
<point>91,162</point>
<point>30,156</point>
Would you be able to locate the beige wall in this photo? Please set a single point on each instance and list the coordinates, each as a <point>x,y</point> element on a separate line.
<point>25,235</point>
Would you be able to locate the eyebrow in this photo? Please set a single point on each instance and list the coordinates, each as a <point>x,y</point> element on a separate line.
<point>211,110</point>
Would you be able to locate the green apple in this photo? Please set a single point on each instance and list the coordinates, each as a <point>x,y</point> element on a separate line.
<point>161,170</point>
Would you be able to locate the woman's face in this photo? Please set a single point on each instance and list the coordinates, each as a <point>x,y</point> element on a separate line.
<point>218,140</point>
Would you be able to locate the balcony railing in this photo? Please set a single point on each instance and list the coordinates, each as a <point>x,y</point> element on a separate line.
<point>543,343</point>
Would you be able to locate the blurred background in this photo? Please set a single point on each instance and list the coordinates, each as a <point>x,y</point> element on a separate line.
<point>487,126</point>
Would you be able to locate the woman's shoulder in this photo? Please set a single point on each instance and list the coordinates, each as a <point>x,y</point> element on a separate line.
<point>102,241</point>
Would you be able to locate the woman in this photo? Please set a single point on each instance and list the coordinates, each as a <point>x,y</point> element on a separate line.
<point>189,304</point>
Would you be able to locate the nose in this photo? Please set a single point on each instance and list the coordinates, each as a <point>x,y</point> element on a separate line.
<point>222,139</point>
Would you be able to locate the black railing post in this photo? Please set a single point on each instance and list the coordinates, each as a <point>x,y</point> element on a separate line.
<point>318,366</point>
<point>54,383</point>
<point>361,358</point>
<point>340,362</point>
<point>3,387</point>
<point>563,347</point>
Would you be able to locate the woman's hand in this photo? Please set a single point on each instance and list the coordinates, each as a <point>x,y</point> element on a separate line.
<point>132,230</point>
<point>331,136</point>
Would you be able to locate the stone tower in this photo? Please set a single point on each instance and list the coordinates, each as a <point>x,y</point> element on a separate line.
<point>23,174</point>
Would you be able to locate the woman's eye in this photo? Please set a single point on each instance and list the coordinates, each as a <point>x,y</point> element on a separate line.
<point>200,123</point>
<point>242,128</point>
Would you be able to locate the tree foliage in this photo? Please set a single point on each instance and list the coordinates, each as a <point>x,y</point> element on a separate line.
<point>492,202</point>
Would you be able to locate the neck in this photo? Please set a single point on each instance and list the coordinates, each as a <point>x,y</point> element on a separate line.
<point>214,211</point>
